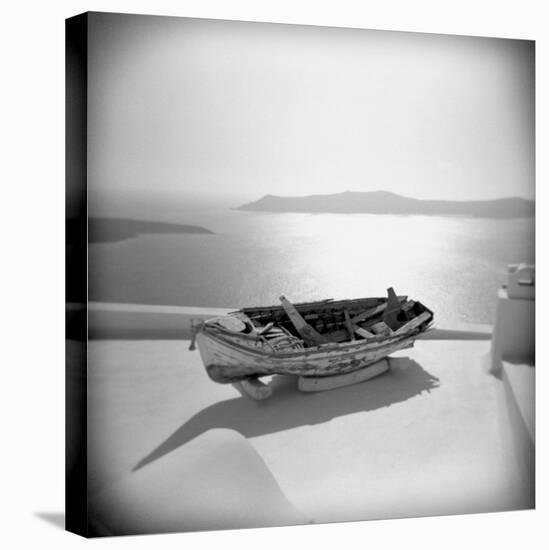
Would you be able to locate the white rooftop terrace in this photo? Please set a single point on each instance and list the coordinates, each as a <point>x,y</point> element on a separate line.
<point>170,450</point>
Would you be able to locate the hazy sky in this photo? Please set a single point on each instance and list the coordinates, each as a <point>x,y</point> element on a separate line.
<point>202,108</point>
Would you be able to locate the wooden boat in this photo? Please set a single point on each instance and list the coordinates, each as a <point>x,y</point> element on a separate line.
<point>312,339</point>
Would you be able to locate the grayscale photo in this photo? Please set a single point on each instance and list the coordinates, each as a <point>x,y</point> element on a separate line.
<point>300,274</point>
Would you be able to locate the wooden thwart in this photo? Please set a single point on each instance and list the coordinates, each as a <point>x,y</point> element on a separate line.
<point>324,383</point>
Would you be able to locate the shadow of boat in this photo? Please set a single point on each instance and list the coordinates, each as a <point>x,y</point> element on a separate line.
<point>288,408</point>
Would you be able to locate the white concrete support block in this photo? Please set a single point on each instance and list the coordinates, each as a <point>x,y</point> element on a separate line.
<point>254,388</point>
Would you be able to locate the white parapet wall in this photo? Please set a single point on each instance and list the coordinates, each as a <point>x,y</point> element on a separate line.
<point>514,330</point>
<point>137,321</point>
<point>519,383</point>
<point>513,359</point>
<point>140,321</point>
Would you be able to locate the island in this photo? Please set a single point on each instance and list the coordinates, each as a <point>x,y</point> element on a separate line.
<point>385,202</point>
<point>111,230</point>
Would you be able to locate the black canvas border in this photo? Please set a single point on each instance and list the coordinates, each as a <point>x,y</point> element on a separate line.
<point>76,256</point>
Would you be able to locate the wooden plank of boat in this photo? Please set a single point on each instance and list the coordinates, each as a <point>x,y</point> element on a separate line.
<point>348,324</point>
<point>322,305</point>
<point>363,332</point>
<point>390,314</point>
<point>324,383</point>
<point>406,307</point>
<point>368,314</point>
<point>254,388</point>
<point>414,323</point>
<point>381,328</point>
<point>307,332</point>
<point>342,335</point>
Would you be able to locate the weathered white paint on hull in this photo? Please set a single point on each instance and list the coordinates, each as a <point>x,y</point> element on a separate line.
<point>228,362</point>
<point>324,383</point>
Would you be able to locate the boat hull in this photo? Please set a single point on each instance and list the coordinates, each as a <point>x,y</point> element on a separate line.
<point>228,360</point>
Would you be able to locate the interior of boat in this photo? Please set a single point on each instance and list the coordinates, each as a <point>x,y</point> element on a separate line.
<point>315,323</point>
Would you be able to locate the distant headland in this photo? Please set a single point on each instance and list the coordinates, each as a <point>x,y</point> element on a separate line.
<point>110,230</point>
<point>385,202</point>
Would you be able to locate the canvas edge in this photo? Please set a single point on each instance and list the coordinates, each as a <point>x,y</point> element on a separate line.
<point>76,68</point>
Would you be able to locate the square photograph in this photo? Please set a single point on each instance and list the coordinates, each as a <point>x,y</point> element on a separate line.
<point>300,268</point>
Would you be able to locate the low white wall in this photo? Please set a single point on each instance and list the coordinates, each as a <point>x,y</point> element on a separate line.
<point>134,321</point>
<point>519,385</point>
<point>459,331</point>
<point>137,321</point>
<point>513,358</point>
<point>514,331</point>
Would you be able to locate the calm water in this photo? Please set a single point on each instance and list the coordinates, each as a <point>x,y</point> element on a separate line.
<point>453,265</point>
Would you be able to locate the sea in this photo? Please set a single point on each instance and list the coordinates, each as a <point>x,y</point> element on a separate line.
<point>454,265</point>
